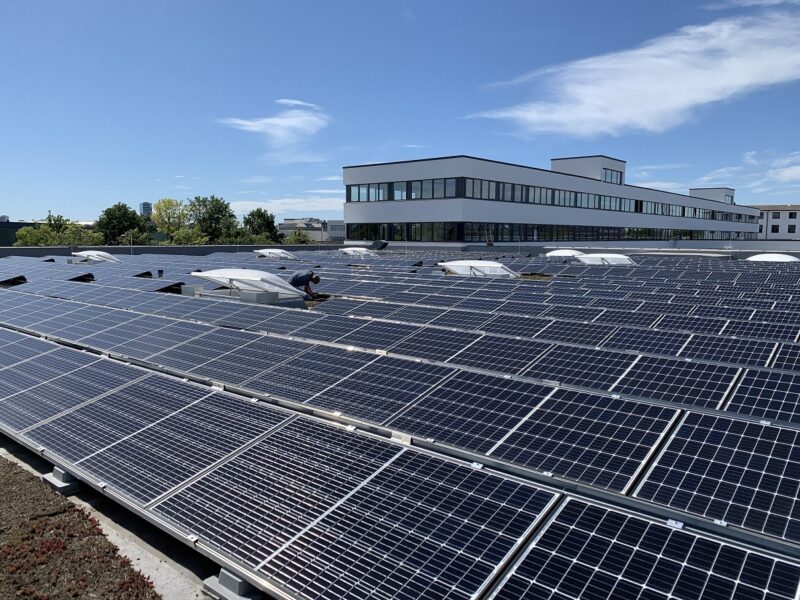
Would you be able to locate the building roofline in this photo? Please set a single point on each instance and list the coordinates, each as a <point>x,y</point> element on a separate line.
<point>509,164</point>
<point>590,156</point>
<point>776,207</point>
<point>719,187</point>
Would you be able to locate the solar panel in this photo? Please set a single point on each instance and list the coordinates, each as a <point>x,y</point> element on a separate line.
<point>200,350</point>
<point>619,317</point>
<point>515,325</point>
<point>291,320</point>
<point>190,439</point>
<point>507,355</point>
<point>470,410</point>
<point>424,528</point>
<point>769,394</point>
<point>766,331</point>
<point>378,390</point>
<point>89,428</point>
<point>691,324</point>
<point>651,341</point>
<point>678,381</point>
<point>730,350</point>
<point>581,366</point>
<point>329,329</point>
<point>568,331</point>
<point>254,503</point>
<point>308,373</point>
<point>590,551</point>
<point>578,313</point>
<point>378,334</point>
<point>788,357</point>
<point>243,363</point>
<point>461,319</point>
<point>434,344</point>
<point>415,314</point>
<point>742,473</point>
<point>594,439</point>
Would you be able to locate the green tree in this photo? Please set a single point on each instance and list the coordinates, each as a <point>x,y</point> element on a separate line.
<point>189,236</point>
<point>118,220</point>
<point>260,222</point>
<point>169,216</point>
<point>212,216</point>
<point>57,231</point>
<point>299,237</point>
<point>56,222</point>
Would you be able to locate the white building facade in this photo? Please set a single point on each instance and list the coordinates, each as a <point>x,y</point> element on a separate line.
<point>463,199</point>
<point>778,222</point>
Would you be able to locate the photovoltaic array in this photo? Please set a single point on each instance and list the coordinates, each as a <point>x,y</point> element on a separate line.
<point>595,432</point>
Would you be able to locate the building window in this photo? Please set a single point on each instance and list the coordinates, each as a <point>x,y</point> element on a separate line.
<point>399,190</point>
<point>792,215</point>
<point>760,229</point>
<point>416,190</point>
<point>449,188</point>
<point>774,228</point>
<point>776,215</point>
<point>728,199</point>
<point>612,176</point>
<point>792,229</point>
<point>761,215</point>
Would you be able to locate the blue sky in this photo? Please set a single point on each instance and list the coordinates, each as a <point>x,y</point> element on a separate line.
<point>263,102</point>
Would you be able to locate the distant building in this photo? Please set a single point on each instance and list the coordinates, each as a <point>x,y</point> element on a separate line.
<point>463,199</point>
<point>319,230</point>
<point>4,219</point>
<point>8,230</point>
<point>778,222</point>
<point>145,209</point>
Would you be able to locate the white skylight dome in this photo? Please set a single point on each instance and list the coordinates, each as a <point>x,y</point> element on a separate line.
<point>772,257</point>
<point>250,280</point>
<point>276,253</point>
<point>478,268</point>
<point>95,256</point>
<point>605,259</point>
<point>359,252</point>
<point>563,253</point>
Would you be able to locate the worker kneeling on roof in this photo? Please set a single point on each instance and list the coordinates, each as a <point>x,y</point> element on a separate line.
<point>302,280</point>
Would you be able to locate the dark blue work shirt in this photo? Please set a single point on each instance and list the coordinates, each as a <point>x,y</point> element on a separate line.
<point>301,279</point>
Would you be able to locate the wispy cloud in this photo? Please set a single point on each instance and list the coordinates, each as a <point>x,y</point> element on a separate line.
<point>181,187</point>
<point>337,191</point>
<point>412,146</point>
<point>330,178</point>
<point>662,83</point>
<point>178,176</point>
<point>293,102</point>
<point>287,132</point>
<point>721,175</point>
<point>749,4</point>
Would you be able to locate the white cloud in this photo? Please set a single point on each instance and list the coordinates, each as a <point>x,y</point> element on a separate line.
<point>749,4</point>
<point>336,191</point>
<point>720,175</point>
<point>330,178</point>
<point>302,206</point>
<point>749,158</point>
<point>181,187</point>
<point>178,176</point>
<point>661,83</point>
<point>293,102</point>
<point>412,146</point>
<point>785,174</point>
<point>791,158</point>
<point>286,132</point>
